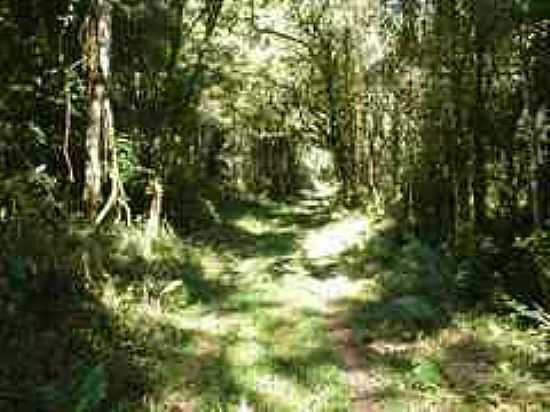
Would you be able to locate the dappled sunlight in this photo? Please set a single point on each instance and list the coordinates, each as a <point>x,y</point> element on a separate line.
<point>277,389</point>
<point>336,288</point>
<point>277,206</point>
<point>314,316</point>
<point>320,191</point>
<point>212,264</point>
<point>311,317</point>
<point>253,225</point>
<point>336,238</point>
<point>247,351</point>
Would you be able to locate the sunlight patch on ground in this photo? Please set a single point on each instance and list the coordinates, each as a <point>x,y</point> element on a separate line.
<point>262,342</point>
<point>320,190</point>
<point>336,238</point>
<point>278,389</point>
<point>307,293</point>
<point>333,289</point>
<point>253,225</point>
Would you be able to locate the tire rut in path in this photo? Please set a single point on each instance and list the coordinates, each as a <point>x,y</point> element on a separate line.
<point>340,333</point>
<point>355,367</point>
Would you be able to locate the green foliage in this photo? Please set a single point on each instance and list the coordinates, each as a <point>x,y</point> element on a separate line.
<point>129,165</point>
<point>87,393</point>
<point>196,205</point>
<point>438,350</point>
<point>17,274</point>
<point>535,9</point>
<point>426,374</point>
<point>402,318</point>
<point>424,270</point>
<point>91,391</point>
<point>29,197</point>
<point>538,247</point>
<point>409,267</point>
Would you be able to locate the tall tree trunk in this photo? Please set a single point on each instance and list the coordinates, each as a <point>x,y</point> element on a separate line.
<point>155,209</point>
<point>99,133</point>
<point>478,130</point>
<point>543,131</point>
<point>537,166</point>
<point>100,136</point>
<point>359,123</point>
<point>535,190</point>
<point>93,171</point>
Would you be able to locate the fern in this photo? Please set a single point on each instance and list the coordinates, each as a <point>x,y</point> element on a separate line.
<point>91,391</point>
<point>426,374</point>
<point>85,395</point>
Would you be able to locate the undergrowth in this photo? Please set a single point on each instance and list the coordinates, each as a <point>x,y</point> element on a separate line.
<point>232,317</point>
<point>428,345</point>
<point>111,320</point>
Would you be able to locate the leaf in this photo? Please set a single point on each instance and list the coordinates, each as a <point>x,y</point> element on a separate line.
<point>92,391</point>
<point>539,9</point>
<point>426,374</point>
<point>171,286</point>
<point>16,273</point>
<point>38,132</point>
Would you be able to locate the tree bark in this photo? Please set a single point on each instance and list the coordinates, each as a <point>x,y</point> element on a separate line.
<point>537,167</point>
<point>99,133</point>
<point>479,155</point>
<point>155,209</point>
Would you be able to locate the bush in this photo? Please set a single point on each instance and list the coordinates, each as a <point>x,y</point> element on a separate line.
<point>535,251</point>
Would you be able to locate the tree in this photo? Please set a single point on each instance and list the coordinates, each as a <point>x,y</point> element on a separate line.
<point>100,143</point>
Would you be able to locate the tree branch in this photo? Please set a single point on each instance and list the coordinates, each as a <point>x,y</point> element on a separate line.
<point>284,36</point>
<point>265,30</point>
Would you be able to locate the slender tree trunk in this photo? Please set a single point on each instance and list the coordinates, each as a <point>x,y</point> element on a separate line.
<point>480,178</point>
<point>372,163</point>
<point>543,131</point>
<point>97,44</point>
<point>360,126</point>
<point>155,209</point>
<point>93,171</point>
<point>537,160</point>
<point>101,159</point>
<point>535,201</point>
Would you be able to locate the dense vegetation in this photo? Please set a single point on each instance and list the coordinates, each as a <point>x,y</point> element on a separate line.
<point>197,197</point>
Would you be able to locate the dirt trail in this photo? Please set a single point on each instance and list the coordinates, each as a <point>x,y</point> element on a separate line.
<point>322,247</point>
<point>341,335</point>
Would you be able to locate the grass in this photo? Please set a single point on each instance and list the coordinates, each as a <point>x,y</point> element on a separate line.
<point>240,323</point>
<point>250,321</point>
<point>236,317</point>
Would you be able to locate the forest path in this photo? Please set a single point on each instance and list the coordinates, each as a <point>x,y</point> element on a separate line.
<point>322,284</point>
<point>280,341</point>
<point>323,248</point>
